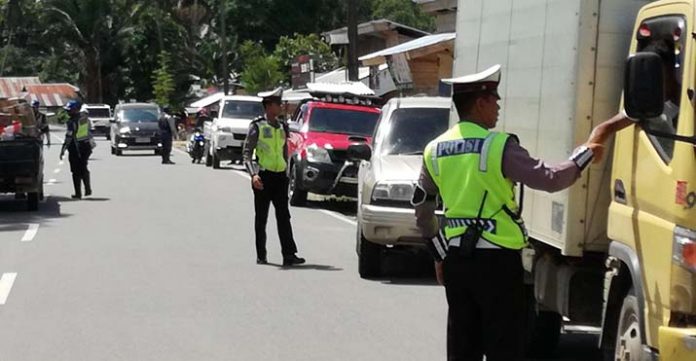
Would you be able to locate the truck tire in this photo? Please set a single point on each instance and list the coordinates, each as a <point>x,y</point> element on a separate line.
<point>33,201</point>
<point>298,197</point>
<point>216,161</point>
<point>369,257</point>
<point>629,343</point>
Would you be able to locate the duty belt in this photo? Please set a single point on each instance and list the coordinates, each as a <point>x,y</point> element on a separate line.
<point>481,244</point>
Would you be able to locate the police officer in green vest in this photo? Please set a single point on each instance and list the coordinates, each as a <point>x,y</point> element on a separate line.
<point>473,171</point>
<point>79,146</point>
<point>265,158</point>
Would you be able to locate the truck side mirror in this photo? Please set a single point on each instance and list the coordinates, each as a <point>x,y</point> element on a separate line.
<point>360,151</point>
<point>644,86</point>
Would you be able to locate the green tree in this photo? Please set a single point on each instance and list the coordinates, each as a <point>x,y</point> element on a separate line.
<point>290,47</point>
<point>403,11</point>
<point>261,70</point>
<point>163,81</point>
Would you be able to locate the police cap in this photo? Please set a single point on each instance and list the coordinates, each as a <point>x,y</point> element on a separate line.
<point>483,82</point>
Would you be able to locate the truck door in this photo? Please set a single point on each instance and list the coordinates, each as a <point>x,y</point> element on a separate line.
<point>649,169</point>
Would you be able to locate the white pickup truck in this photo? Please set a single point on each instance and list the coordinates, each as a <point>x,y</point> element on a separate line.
<point>229,129</point>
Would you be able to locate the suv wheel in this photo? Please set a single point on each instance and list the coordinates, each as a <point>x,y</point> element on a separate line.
<point>298,197</point>
<point>369,256</point>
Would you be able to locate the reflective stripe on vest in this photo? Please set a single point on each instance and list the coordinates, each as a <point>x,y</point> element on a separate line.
<point>270,147</point>
<point>465,162</point>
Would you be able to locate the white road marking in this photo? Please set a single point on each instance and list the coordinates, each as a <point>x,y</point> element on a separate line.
<point>339,217</point>
<point>56,171</point>
<point>6,283</point>
<point>31,232</point>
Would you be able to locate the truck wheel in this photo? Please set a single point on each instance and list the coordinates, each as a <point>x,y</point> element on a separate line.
<point>298,197</point>
<point>629,344</point>
<point>33,201</point>
<point>216,161</point>
<point>369,257</point>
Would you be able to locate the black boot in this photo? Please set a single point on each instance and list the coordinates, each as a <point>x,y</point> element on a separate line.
<point>77,184</point>
<point>88,184</point>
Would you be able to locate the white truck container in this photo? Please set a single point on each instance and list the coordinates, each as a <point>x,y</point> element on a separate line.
<point>562,65</point>
<point>562,74</point>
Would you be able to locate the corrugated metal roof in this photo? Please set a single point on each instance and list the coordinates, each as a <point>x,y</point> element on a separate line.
<point>11,87</point>
<point>51,95</point>
<point>419,43</point>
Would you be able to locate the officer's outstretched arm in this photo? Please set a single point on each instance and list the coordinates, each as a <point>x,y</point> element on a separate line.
<point>425,202</point>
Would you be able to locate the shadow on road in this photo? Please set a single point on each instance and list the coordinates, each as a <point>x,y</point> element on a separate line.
<point>13,211</point>
<point>346,208</point>
<point>307,266</point>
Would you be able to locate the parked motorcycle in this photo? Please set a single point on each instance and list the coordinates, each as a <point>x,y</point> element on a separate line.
<point>196,145</point>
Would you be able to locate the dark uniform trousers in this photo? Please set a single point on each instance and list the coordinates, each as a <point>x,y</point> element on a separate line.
<point>166,145</point>
<point>486,301</point>
<point>275,190</point>
<point>78,156</point>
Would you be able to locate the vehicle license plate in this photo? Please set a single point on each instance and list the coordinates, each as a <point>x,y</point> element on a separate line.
<point>142,140</point>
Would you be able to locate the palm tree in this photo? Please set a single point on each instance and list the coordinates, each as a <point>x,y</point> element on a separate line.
<point>94,27</point>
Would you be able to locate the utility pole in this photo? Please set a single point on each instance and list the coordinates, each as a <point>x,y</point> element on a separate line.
<point>352,40</point>
<point>223,36</point>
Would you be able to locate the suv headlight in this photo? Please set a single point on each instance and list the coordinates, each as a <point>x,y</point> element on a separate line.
<point>124,130</point>
<point>394,191</point>
<point>315,154</point>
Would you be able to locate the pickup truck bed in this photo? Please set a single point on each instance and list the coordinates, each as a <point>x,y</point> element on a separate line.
<point>21,169</point>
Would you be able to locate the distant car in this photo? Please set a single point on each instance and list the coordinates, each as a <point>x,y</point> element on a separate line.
<point>389,173</point>
<point>229,129</point>
<point>135,128</point>
<point>321,131</point>
<point>100,116</point>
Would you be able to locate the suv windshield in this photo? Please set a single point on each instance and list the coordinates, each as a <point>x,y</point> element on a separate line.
<point>98,113</point>
<point>342,121</point>
<point>242,109</point>
<point>144,115</point>
<point>412,128</point>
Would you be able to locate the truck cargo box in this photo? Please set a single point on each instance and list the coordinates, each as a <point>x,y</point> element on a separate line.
<point>562,75</point>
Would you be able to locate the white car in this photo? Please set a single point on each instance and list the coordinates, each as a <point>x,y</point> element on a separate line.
<point>100,117</point>
<point>229,129</point>
<point>388,174</point>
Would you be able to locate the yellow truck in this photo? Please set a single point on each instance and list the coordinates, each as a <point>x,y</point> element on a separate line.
<point>617,251</point>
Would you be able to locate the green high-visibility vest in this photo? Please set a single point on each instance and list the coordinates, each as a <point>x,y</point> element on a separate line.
<point>465,162</point>
<point>270,147</point>
<point>82,129</point>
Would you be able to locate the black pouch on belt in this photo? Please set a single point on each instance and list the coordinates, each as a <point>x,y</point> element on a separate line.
<point>473,233</point>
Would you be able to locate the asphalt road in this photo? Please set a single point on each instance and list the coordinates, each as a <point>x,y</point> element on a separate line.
<point>160,265</point>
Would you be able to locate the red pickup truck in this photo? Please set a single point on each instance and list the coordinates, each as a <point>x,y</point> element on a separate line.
<point>320,133</point>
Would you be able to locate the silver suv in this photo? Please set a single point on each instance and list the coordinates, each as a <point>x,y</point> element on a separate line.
<point>388,174</point>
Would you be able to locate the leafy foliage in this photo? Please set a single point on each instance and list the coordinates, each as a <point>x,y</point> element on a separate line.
<point>112,49</point>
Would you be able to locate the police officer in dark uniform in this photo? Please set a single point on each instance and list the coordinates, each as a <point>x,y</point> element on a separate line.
<point>474,171</point>
<point>79,146</point>
<point>167,131</point>
<point>267,141</point>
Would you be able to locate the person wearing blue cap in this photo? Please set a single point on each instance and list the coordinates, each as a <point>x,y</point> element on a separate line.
<point>79,146</point>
